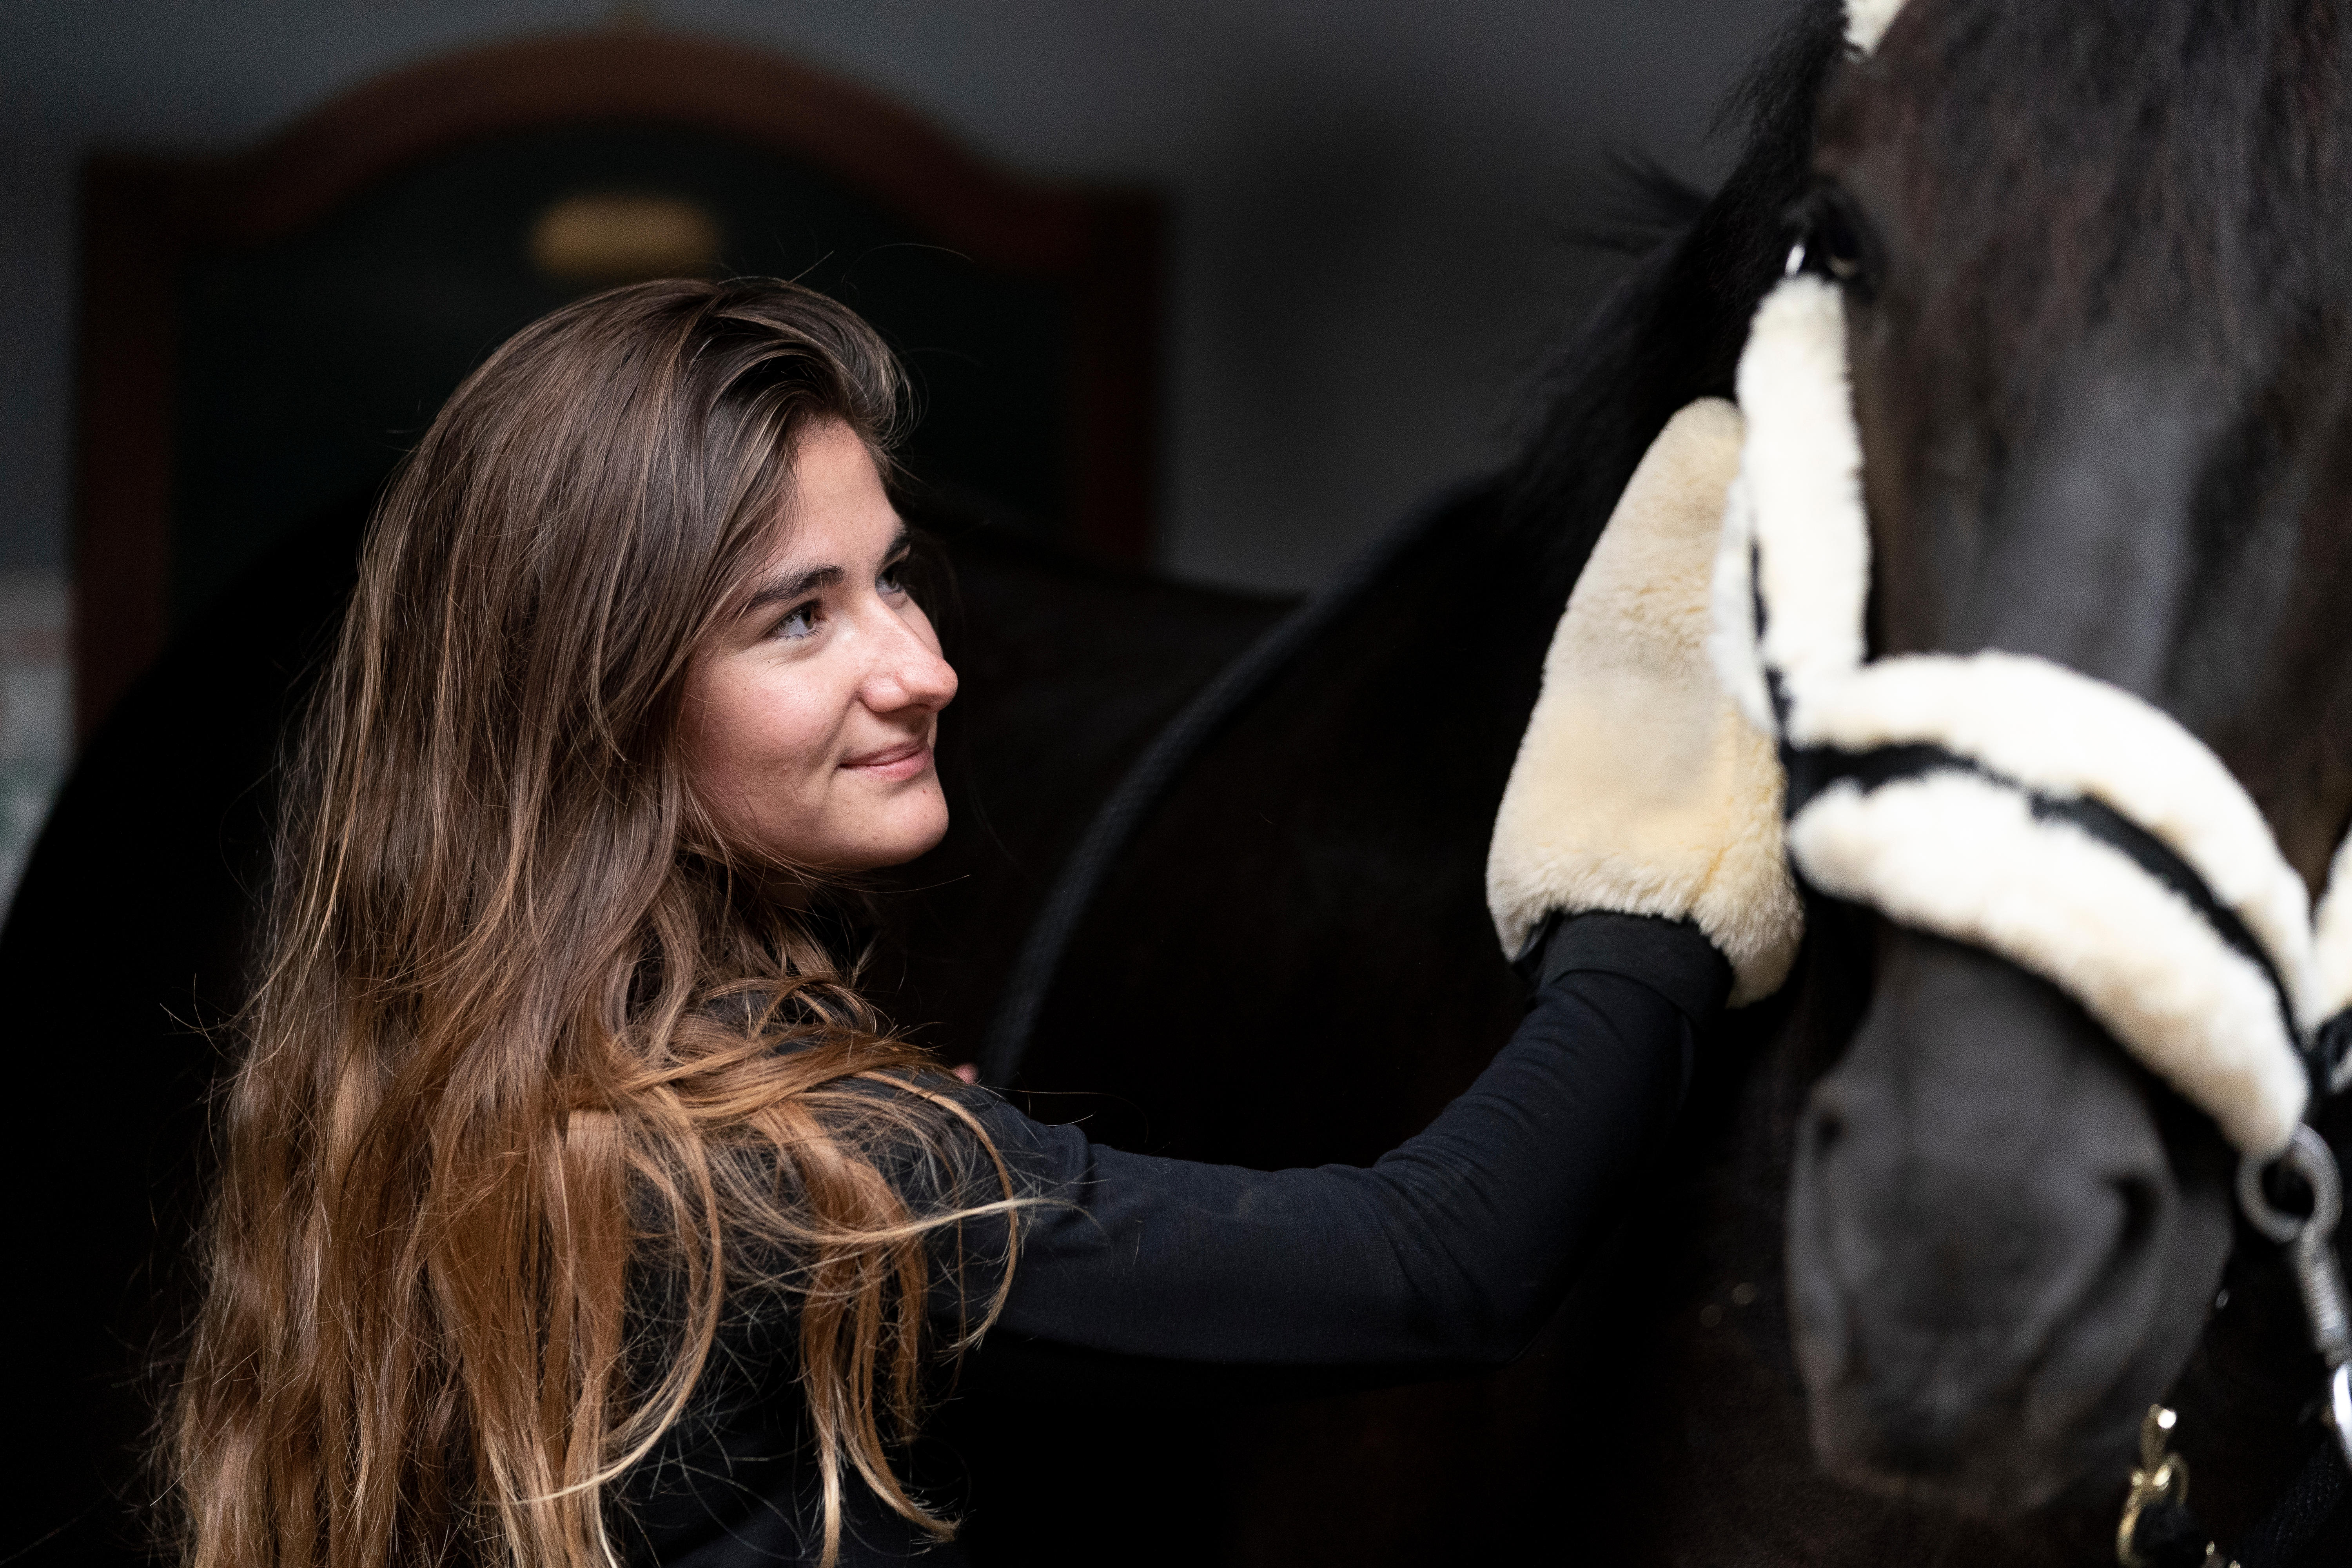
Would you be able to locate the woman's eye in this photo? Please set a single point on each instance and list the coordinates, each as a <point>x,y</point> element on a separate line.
<point>800,621</point>
<point>891,581</point>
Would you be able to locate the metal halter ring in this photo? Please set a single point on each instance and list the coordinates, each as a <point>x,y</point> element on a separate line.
<point>2309,1157</point>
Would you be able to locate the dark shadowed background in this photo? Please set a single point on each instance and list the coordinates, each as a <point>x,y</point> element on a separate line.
<point>1365,243</point>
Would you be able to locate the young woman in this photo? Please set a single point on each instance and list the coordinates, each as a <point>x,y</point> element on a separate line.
<point>574,1207</point>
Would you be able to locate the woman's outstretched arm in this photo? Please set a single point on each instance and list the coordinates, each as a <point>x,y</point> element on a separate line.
<point>1449,1251</point>
<point>1640,785</point>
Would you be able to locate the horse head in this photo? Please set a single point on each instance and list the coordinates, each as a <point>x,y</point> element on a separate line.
<point>2096,268</point>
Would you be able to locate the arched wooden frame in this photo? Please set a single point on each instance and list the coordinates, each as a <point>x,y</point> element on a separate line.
<point>142,217</point>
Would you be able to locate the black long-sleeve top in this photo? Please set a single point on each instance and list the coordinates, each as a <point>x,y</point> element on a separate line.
<point>1448,1253</point>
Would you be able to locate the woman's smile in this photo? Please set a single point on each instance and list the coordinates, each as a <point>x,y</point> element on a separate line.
<point>903,761</point>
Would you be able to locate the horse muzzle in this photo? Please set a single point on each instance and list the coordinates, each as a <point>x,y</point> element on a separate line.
<point>1995,1215</point>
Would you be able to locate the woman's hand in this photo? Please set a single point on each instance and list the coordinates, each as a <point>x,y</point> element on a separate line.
<point>1639,785</point>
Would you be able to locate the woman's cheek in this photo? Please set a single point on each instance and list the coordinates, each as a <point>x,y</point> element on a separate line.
<point>751,758</point>
<point>800,730</point>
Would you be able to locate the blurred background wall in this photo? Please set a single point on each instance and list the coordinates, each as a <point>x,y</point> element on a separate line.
<point>1371,210</point>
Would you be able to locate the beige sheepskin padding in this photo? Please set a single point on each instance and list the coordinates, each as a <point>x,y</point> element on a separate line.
<point>2070,736</point>
<point>1640,786</point>
<point>1801,476</point>
<point>1957,855</point>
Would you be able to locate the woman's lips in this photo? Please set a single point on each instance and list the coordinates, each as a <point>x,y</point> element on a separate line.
<point>900,762</point>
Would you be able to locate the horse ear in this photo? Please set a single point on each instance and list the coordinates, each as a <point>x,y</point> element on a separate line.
<point>1866,22</point>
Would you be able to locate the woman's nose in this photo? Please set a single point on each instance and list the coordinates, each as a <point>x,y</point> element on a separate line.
<point>910,671</point>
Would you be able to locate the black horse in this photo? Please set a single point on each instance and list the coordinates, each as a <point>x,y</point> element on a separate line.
<point>2099,264</point>
<point>1287,960</point>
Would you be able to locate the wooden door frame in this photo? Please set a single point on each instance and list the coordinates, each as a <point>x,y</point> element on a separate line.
<point>143,218</point>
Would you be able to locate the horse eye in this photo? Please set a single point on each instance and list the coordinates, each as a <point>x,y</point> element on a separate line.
<point>1832,241</point>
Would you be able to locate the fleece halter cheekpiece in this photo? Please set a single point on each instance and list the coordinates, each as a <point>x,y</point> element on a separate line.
<point>2005,801</point>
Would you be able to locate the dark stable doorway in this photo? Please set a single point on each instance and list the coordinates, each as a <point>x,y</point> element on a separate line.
<point>309,364</point>
<point>262,336</point>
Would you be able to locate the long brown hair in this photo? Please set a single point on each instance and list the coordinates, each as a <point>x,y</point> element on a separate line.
<point>521,1034</point>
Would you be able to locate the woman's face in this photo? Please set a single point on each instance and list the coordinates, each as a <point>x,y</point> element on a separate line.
<point>809,725</point>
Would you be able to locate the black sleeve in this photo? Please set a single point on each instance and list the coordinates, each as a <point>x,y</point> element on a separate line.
<point>1450,1250</point>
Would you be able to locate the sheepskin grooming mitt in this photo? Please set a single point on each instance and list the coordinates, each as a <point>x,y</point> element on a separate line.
<point>1640,786</point>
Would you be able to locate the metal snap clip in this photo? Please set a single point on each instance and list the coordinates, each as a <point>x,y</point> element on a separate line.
<point>2159,1484</point>
<point>2311,1248</point>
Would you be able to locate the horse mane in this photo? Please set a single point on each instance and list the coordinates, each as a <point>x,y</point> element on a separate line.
<point>1671,330</point>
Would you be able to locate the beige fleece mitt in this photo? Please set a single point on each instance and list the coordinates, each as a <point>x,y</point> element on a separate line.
<point>1639,785</point>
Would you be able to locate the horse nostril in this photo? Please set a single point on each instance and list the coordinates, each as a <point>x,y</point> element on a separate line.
<point>2141,1203</point>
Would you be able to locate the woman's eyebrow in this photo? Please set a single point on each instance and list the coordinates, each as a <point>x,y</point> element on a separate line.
<point>793,587</point>
<point>815,577</point>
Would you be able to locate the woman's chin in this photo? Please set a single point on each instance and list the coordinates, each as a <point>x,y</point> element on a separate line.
<point>904,837</point>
